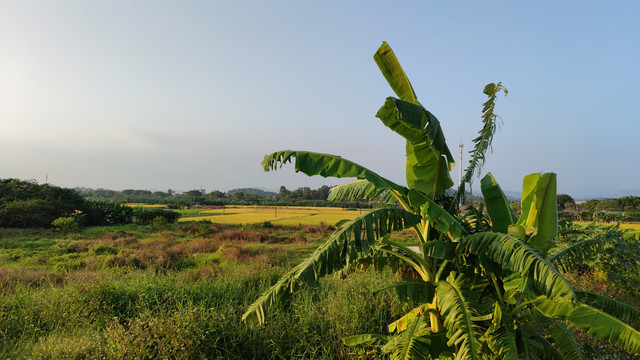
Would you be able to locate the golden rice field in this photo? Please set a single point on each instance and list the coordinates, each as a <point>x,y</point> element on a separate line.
<point>282,215</point>
<point>151,206</point>
<point>623,226</point>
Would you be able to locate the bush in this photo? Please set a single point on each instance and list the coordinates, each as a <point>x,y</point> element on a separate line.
<point>159,222</point>
<point>100,213</point>
<point>65,224</point>
<point>145,216</point>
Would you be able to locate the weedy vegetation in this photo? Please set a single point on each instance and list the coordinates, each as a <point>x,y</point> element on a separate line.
<point>141,292</point>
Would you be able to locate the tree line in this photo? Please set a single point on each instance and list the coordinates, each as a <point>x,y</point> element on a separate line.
<point>27,204</point>
<point>302,196</point>
<point>625,209</point>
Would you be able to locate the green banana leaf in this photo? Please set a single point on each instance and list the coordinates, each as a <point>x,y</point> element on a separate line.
<point>441,220</point>
<point>518,256</point>
<point>327,165</point>
<point>429,160</point>
<point>392,71</point>
<point>565,343</point>
<point>500,336</point>
<point>577,254</point>
<point>458,316</point>
<point>539,210</point>
<point>500,212</point>
<point>355,190</point>
<point>597,322</point>
<point>611,306</point>
<point>411,344</point>
<point>606,327</point>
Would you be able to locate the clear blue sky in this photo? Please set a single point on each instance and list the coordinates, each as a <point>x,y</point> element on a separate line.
<point>166,94</point>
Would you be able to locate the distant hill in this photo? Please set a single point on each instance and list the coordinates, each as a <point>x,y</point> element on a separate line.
<point>253,191</point>
<point>513,195</point>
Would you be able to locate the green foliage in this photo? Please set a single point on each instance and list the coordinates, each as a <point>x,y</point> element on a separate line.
<point>600,248</point>
<point>497,294</point>
<point>107,213</point>
<point>142,215</point>
<point>565,201</point>
<point>65,224</point>
<point>28,204</point>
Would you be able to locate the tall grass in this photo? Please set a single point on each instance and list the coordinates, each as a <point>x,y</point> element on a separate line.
<point>187,306</point>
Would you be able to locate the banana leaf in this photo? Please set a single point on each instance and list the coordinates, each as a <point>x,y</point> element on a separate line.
<point>539,210</point>
<point>500,212</point>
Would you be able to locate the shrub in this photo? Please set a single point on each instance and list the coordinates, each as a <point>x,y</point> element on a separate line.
<point>65,224</point>
<point>159,222</point>
<point>145,216</point>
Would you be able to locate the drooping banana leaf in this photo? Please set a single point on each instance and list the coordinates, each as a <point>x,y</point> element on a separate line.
<point>539,210</point>
<point>355,190</point>
<point>392,71</point>
<point>564,340</point>
<point>611,306</point>
<point>606,327</point>
<point>597,322</point>
<point>354,241</point>
<point>518,256</point>
<point>577,254</point>
<point>458,316</point>
<point>500,212</point>
<point>327,165</point>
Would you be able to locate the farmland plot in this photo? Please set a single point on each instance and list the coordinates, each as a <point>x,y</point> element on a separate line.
<point>282,215</point>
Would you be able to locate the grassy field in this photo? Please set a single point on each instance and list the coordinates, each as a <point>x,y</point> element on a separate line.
<point>176,292</point>
<point>282,215</point>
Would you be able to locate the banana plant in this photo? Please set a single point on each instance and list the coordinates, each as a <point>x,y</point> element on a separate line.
<point>479,292</point>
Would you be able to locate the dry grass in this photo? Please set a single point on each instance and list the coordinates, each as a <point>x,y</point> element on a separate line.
<point>13,276</point>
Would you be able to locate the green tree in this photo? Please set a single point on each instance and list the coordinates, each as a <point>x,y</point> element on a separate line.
<point>283,193</point>
<point>483,289</point>
<point>565,201</point>
<point>28,204</point>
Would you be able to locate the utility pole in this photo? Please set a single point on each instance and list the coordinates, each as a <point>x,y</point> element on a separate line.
<point>460,169</point>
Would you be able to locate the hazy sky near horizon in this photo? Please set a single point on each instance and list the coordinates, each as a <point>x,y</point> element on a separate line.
<point>182,95</point>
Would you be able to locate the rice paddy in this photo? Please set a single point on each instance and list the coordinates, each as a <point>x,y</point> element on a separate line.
<point>281,215</point>
<point>623,226</point>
